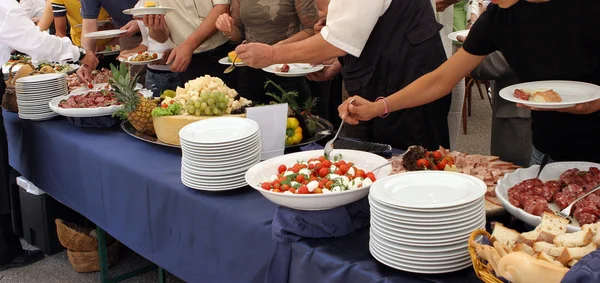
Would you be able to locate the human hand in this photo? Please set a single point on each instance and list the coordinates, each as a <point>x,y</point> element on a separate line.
<point>461,38</point>
<point>327,73</point>
<point>226,25</point>
<point>360,110</point>
<point>319,25</point>
<point>180,58</point>
<point>154,22</point>
<point>124,54</point>
<point>580,109</point>
<point>256,55</point>
<point>131,27</point>
<point>84,74</point>
<point>89,60</point>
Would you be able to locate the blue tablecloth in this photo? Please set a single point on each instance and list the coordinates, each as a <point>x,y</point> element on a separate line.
<point>133,190</point>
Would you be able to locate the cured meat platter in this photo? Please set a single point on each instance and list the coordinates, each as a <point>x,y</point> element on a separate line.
<point>489,169</point>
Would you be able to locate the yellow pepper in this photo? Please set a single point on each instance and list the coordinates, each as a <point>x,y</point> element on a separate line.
<point>293,132</point>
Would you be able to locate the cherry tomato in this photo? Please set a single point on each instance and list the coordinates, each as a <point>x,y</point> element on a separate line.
<point>441,165</point>
<point>318,167</point>
<point>291,190</point>
<point>282,179</point>
<point>323,172</point>
<point>305,182</point>
<point>300,178</point>
<point>277,191</point>
<point>350,164</point>
<point>344,168</point>
<point>371,176</point>
<point>329,184</point>
<point>281,168</point>
<point>437,154</point>
<point>317,191</point>
<point>339,172</point>
<point>322,158</point>
<point>423,163</point>
<point>341,162</point>
<point>303,166</point>
<point>302,190</point>
<point>276,186</point>
<point>285,187</point>
<point>311,166</point>
<point>326,164</point>
<point>164,106</point>
<point>294,169</point>
<point>359,173</point>
<point>266,186</point>
<point>449,158</point>
<point>314,178</point>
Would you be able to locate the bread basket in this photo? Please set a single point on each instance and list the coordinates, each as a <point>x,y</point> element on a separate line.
<point>479,265</point>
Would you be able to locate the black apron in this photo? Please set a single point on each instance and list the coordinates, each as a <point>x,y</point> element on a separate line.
<point>4,167</point>
<point>404,45</point>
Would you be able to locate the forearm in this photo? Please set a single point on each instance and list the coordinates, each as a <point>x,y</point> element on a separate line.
<point>137,49</point>
<point>160,35</point>
<point>207,29</point>
<point>89,26</point>
<point>301,35</point>
<point>311,50</point>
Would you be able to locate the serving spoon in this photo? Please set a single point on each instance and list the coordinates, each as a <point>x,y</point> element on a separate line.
<point>329,144</point>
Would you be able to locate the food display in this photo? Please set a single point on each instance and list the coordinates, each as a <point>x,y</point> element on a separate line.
<point>318,175</point>
<point>534,195</point>
<point>98,77</point>
<point>283,69</point>
<point>49,67</point>
<point>542,255</point>
<point>142,57</point>
<point>91,99</point>
<point>208,96</point>
<point>18,58</point>
<point>487,168</point>
<point>538,95</point>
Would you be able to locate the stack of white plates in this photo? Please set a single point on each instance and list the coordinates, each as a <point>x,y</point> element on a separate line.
<point>421,221</point>
<point>35,92</point>
<point>217,152</point>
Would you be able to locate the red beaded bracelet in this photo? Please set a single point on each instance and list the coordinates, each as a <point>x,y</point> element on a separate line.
<point>386,105</point>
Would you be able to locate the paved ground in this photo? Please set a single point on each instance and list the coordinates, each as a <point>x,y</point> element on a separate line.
<point>57,269</point>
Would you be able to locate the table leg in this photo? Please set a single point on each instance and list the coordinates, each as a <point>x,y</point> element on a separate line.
<point>103,252</point>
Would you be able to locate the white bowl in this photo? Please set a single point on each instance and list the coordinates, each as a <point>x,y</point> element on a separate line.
<point>552,171</point>
<point>363,160</point>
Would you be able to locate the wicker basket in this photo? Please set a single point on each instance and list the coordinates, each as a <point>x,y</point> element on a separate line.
<point>9,98</point>
<point>90,261</point>
<point>74,237</point>
<point>479,265</point>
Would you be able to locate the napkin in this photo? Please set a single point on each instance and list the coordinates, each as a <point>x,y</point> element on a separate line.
<point>272,121</point>
<point>586,270</point>
<point>290,225</point>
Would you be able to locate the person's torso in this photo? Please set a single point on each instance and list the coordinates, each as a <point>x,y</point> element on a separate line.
<point>73,8</point>
<point>186,18</point>
<point>460,15</point>
<point>115,8</point>
<point>540,44</point>
<point>269,21</point>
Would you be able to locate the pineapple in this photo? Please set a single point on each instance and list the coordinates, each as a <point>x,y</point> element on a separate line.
<point>137,109</point>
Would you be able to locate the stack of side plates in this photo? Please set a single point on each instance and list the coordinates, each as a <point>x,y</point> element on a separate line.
<point>421,221</point>
<point>35,92</point>
<point>217,152</point>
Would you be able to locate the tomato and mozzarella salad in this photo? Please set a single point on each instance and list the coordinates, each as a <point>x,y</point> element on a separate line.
<point>317,176</point>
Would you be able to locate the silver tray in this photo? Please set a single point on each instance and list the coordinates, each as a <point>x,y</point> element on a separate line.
<point>324,128</point>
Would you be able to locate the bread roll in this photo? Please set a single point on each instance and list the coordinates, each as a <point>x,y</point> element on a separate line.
<point>519,267</point>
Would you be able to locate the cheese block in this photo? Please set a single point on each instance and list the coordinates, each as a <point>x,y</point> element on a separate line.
<point>167,127</point>
<point>232,55</point>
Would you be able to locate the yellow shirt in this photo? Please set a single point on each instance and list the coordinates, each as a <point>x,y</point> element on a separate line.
<point>72,9</point>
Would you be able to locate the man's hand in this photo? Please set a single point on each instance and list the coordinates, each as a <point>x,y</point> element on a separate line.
<point>89,61</point>
<point>180,58</point>
<point>84,74</point>
<point>461,38</point>
<point>327,73</point>
<point>256,55</point>
<point>442,5</point>
<point>226,25</point>
<point>581,109</point>
<point>319,25</point>
<point>154,22</point>
<point>131,27</point>
<point>124,54</point>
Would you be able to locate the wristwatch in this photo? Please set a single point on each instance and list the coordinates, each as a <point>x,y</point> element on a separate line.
<point>82,53</point>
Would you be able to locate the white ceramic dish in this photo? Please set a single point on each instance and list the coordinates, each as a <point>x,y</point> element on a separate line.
<point>296,69</point>
<point>40,79</point>
<point>571,92</point>
<point>205,148</point>
<point>264,170</point>
<point>552,171</point>
<point>136,12</point>
<point>218,131</point>
<point>454,36</point>
<point>225,61</point>
<point>103,34</point>
<point>81,112</point>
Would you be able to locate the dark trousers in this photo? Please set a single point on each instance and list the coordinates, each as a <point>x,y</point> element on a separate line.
<point>9,242</point>
<point>207,63</point>
<point>252,86</point>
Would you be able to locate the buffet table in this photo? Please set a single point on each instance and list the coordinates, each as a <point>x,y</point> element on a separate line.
<point>133,191</point>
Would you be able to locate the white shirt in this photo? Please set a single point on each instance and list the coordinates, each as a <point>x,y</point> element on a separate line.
<point>34,8</point>
<point>350,23</point>
<point>17,31</point>
<point>153,45</point>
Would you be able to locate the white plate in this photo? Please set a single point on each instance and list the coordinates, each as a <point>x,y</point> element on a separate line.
<point>412,241</point>
<point>138,63</point>
<point>219,170</point>
<point>40,78</point>
<point>220,164</point>
<point>449,249</point>
<point>148,11</point>
<point>102,34</point>
<point>412,257</point>
<point>81,112</point>
<point>571,92</point>
<point>401,214</point>
<point>226,147</point>
<point>454,36</point>
<point>440,233</point>
<point>216,182</point>
<point>468,218</point>
<point>296,69</point>
<point>411,267</point>
<point>218,130</point>
<point>225,61</point>
<point>220,154</point>
<point>425,263</point>
<point>552,171</point>
<point>213,188</point>
<point>264,170</point>
<point>112,52</point>
<point>428,189</point>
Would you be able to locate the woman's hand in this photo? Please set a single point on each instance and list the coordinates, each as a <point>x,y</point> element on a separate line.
<point>226,25</point>
<point>327,73</point>
<point>124,54</point>
<point>131,27</point>
<point>581,109</point>
<point>360,110</point>
<point>319,25</point>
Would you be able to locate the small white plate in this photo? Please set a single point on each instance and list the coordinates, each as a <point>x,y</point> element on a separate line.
<point>148,11</point>
<point>407,214</point>
<point>454,36</point>
<point>296,69</point>
<point>112,52</point>
<point>138,63</point>
<point>103,34</point>
<point>571,92</point>
<point>44,78</point>
<point>212,153</point>
<point>224,147</point>
<point>428,189</point>
<point>225,61</point>
<point>222,163</point>
<point>218,130</point>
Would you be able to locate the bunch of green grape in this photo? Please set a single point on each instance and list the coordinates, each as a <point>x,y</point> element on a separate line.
<point>207,104</point>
